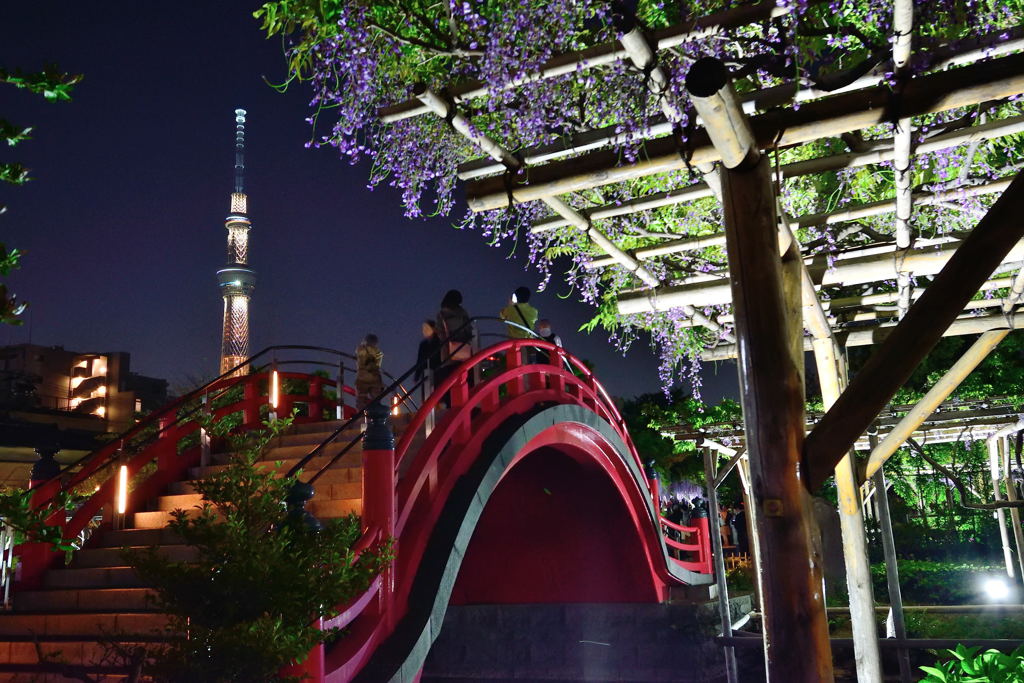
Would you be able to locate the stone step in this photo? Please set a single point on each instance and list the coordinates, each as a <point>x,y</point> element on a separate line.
<point>315,438</point>
<point>84,624</point>
<point>134,537</point>
<point>87,652</point>
<point>177,488</point>
<point>332,509</point>
<point>315,427</point>
<point>181,501</point>
<point>346,469</point>
<point>113,557</point>
<point>65,600</point>
<point>92,577</point>
<point>157,519</point>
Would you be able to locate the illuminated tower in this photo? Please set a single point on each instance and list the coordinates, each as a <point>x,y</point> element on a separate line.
<point>237,281</point>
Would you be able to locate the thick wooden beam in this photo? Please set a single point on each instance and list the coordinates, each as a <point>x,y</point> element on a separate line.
<point>910,341</point>
<point>933,93</point>
<point>796,640</point>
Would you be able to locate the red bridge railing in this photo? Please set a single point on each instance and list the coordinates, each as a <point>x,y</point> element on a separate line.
<point>404,507</point>
<point>397,507</point>
<point>172,439</point>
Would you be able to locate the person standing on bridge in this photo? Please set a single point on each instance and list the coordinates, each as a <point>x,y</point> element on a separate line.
<point>545,332</point>
<point>521,314</point>
<point>455,332</point>
<point>428,355</point>
<point>369,382</point>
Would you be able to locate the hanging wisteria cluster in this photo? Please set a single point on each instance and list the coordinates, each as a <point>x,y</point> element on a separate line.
<point>360,56</point>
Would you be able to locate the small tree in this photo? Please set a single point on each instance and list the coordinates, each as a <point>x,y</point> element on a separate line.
<point>55,86</point>
<point>244,607</point>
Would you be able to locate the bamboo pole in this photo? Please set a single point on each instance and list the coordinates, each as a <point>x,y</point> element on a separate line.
<point>883,151</point>
<point>832,116</point>
<point>995,44</point>
<point>828,218</point>
<point>715,519</point>
<point>838,312</point>
<point>903,32</point>
<point>856,269</point>
<point>939,392</point>
<point>1000,514</point>
<point>464,127</point>
<point>753,524</point>
<point>910,341</point>
<point>645,59</point>
<point>876,334</point>
<point>964,365</point>
<point>1011,495</point>
<point>892,572</point>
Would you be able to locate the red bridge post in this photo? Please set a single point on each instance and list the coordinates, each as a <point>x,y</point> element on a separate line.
<point>379,503</point>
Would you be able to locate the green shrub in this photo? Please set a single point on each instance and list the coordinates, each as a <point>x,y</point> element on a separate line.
<point>924,625</point>
<point>924,582</point>
<point>244,607</point>
<point>968,665</point>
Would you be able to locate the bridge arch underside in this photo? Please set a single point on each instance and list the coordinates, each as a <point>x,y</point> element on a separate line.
<point>555,530</point>
<point>553,510</point>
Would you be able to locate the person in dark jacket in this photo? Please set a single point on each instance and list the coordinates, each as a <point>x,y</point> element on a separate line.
<point>455,333</point>
<point>428,356</point>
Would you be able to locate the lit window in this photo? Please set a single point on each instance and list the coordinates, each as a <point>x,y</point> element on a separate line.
<point>101,411</point>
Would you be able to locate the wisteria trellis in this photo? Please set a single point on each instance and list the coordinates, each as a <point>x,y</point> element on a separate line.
<point>362,56</point>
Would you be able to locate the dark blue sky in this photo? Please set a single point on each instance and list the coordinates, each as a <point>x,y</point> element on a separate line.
<point>123,223</point>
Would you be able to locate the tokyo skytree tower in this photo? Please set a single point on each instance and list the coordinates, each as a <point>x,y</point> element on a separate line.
<point>237,280</point>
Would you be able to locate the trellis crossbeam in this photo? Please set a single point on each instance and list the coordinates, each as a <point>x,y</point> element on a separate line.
<point>933,93</point>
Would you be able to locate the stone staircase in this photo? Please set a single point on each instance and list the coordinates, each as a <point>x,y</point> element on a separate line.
<point>96,597</point>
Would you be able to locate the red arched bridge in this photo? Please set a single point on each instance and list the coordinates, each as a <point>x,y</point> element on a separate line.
<point>527,489</point>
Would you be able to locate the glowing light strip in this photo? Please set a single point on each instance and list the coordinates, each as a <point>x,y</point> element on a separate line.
<point>122,490</point>
<point>394,405</point>
<point>275,389</point>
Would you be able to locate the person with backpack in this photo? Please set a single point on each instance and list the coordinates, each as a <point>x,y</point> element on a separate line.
<point>369,382</point>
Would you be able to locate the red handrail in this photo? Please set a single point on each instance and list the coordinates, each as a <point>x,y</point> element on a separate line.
<point>37,557</point>
<point>558,377</point>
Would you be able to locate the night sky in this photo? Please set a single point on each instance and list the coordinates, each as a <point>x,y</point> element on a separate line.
<point>123,222</point>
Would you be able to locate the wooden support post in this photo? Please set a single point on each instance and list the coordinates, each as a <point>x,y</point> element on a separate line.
<point>910,341</point>
<point>892,573</point>
<point>1004,537</point>
<point>796,631</point>
<point>714,527</point>
<point>1011,495</point>
<point>766,303</point>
